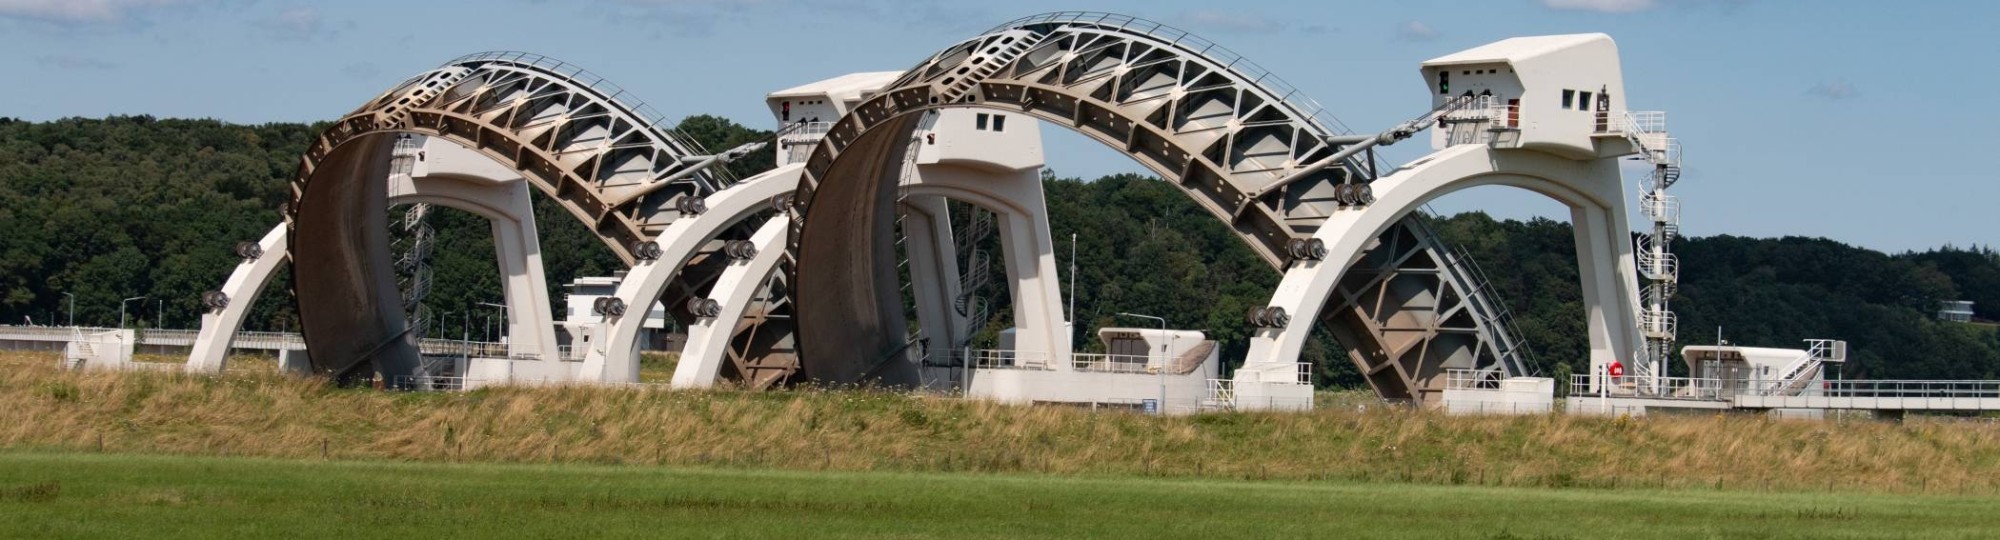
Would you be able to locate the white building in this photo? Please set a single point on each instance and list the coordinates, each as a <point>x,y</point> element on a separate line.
<point>1956,311</point>
<point>579,317</point>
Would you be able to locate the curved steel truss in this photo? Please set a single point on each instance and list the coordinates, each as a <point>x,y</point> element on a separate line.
<point>607,158</point>
<point>1245,146</point>
<point>610,159</point>
<point>1250,149</point>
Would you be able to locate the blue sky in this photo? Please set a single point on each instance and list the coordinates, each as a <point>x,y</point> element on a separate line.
<point>1865,122</point>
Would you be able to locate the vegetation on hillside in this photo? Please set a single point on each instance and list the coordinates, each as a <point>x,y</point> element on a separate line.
<point>128,206</point>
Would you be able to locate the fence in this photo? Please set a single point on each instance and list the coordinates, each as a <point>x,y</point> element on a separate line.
<point>1113,363</point>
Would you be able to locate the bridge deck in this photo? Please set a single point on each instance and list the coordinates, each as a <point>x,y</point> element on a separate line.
<point>1897,403</point>
<point>1861,395</point>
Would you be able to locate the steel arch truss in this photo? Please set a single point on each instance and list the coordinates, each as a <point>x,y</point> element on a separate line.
<point>1406,292</point>
<point>1238,141</point>
<point>580,140</point>
<point>1204,122</point>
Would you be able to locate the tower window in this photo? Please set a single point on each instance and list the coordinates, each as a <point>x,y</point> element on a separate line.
<point>999,122</point>
<point>1583,103</point>
<point>980,122</point>
<point>1569,96</point>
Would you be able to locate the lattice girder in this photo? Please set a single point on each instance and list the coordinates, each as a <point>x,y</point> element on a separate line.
<point>1190,119</point>
<point>602,159</point>
<point>1241,144</point>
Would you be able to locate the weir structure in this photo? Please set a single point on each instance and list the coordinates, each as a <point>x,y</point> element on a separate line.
<point>809,271</point>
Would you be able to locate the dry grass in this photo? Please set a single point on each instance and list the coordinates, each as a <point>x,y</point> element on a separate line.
<point>268,415</point>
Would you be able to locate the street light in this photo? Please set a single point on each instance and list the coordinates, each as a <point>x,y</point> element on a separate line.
<point>1160,372</point>
<point>489,318</point>
<point>121,310</point>
<point>72,309</point>
<point>121,313</point>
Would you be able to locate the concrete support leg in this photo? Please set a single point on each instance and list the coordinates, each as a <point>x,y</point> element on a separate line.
<point>615,358</point>
<point>1600,292</point>
<point>530,319</point>
<point>1591,188</point>
<point>1039,321</point>
<point>218,327</point>
<point>934,273</point>
<point>709,337</point>
<point>1016,199</point>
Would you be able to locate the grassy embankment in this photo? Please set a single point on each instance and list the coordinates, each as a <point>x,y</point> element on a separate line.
<point>274,416</point>
<point>47,495</point>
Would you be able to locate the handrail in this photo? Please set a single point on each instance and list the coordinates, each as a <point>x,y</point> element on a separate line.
<point>1517,350</point>
<point>1309,110</point>
<point>649,117</point>
<point>1723,389</point>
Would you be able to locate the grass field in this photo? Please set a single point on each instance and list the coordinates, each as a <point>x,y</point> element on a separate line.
<point>258,454</point>
<point>45,495</point>
<point>267,415</point>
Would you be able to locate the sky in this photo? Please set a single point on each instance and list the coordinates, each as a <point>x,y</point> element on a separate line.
<point>1859,121</point>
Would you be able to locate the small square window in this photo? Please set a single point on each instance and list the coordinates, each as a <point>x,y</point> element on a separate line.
<point>1583,101</point>
<point>980,124</point>
<point>999,122</point>
<point>1569,96</point>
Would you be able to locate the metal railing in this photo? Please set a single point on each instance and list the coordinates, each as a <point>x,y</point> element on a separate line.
<point>1473,379</point>
<point>1275,372</point>
<point>798,142</point>
<point>1648,129</point>
<point>1003,359</point>
<point>283,341</point>
<point>1221,394</point>
<point>645,114</point>
<point>1721,389</point>
<point>1668,387</point>
<point>1305,107</point>
<point>1114,363</point>
<point>1488,306</point>
<point>1480,116</point>
<point>1912,389</point>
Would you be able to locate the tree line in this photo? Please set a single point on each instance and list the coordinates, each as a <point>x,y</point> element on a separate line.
<point>106,209</point>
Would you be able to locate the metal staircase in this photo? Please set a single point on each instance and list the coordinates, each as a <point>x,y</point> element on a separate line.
<point>976,273</point>
<point>414,244</point>
<point>1001,53</point>
<point>1659,269</point>
<point>1799,375</point>
<point>78,352</point>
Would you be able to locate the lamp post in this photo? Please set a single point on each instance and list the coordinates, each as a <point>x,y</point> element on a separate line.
<point>121,315</point>
<point>1160,373</point>
<point>121,310</point>
<point>72,309</point>
<point>503,317</point>
<point>1072,292</point>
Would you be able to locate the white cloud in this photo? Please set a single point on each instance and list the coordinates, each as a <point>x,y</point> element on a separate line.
<point>1228,21</point>
<point>79,11</point>
<point>1417,31</point>
<point>1835,90</point>
<point>1602,6</point>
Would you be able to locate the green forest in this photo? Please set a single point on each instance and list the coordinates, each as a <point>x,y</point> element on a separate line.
<point>107,209</point>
